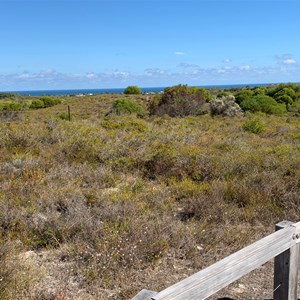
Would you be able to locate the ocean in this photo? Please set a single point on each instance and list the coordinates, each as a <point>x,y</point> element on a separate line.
<point>120,90</point>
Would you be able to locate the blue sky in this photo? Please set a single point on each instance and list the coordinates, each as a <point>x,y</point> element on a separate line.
<point>107,43</point>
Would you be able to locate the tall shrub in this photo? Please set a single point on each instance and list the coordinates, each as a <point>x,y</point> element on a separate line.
<point>132,90</point>
<point>179,100</point>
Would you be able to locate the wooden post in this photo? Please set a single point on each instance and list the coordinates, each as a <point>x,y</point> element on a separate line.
<point>286,270</point>
<point>69,113</point>
<point>206,282</point>
<point>283,244</point>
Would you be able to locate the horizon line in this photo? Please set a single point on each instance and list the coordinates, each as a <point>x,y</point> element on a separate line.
<point>156,87</point>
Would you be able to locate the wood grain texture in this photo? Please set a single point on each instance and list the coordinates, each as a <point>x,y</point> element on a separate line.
<point>286,267</point>
<point>217,276</point>
<point>144,295</point>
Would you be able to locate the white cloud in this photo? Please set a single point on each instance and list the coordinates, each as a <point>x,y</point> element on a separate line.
<point>221,71</point>
<point>154,72</point>
<point>25,76</point>
<point>90,75</point>
<point>289,61</point>
<point>285,59</point>
<point>50,71</point>
<point>245,68</point>
<point>186,65</point>
<point>227,60</point>
<point>188,73</point>
<point>120,74</point>
<point>179,53</point>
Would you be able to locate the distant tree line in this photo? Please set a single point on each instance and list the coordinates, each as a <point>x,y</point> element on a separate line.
<point>182,100</point>
<point>275,99</point>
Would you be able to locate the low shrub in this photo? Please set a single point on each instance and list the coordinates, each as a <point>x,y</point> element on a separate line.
<point>11,115</point>
<point>65,116</point>
<point>36,104</point>
<point>253,125</point>
<point>44,102</point>
<point>268,105</point>
<point>264,104</point>
<point>225,106</point>
<point>15,106</point>
<point>10,106</point>
<point>48,101</point>
<point>126,106</point>
<point>249,104</point>
<point>15,276</point>
<point>295,107</point>
<point>243,95</point>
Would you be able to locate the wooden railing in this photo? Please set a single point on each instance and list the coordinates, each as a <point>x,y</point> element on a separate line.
<point>284,245</point>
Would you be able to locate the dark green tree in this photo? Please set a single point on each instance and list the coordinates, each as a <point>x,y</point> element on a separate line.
<point>132,90</point>
<point>286,95</point>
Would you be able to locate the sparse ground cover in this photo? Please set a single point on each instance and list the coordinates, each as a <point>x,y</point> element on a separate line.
<point>105,205</point>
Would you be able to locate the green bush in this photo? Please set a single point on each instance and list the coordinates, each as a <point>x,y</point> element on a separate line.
<point>268,97</point>
<point>259,91</point>
<point>201,91</point>
<point>264,104</point>
<point>249,104</point>
<point>36,104</point>
<point>278,110</point>
<point>132,90</point>
<point>295,107</point>
<point>48,101</point>
<point>285,93</point>
<point>253,125</point>
<point>44,102</point>
<point>15,106</point>
<point>126,106</point>
<point>243,95</point>
<point>10,106</point>
<point>179,100</point>
<point>64,116</point>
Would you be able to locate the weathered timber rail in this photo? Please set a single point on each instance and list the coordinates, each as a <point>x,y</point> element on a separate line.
<point>284,245</point>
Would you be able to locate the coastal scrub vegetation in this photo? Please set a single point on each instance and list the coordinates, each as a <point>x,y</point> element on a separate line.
<point>105,205</point>
<point>15,102</point>
<point>182,100</point>
<point>126,106</point>
<point>273,99</point>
